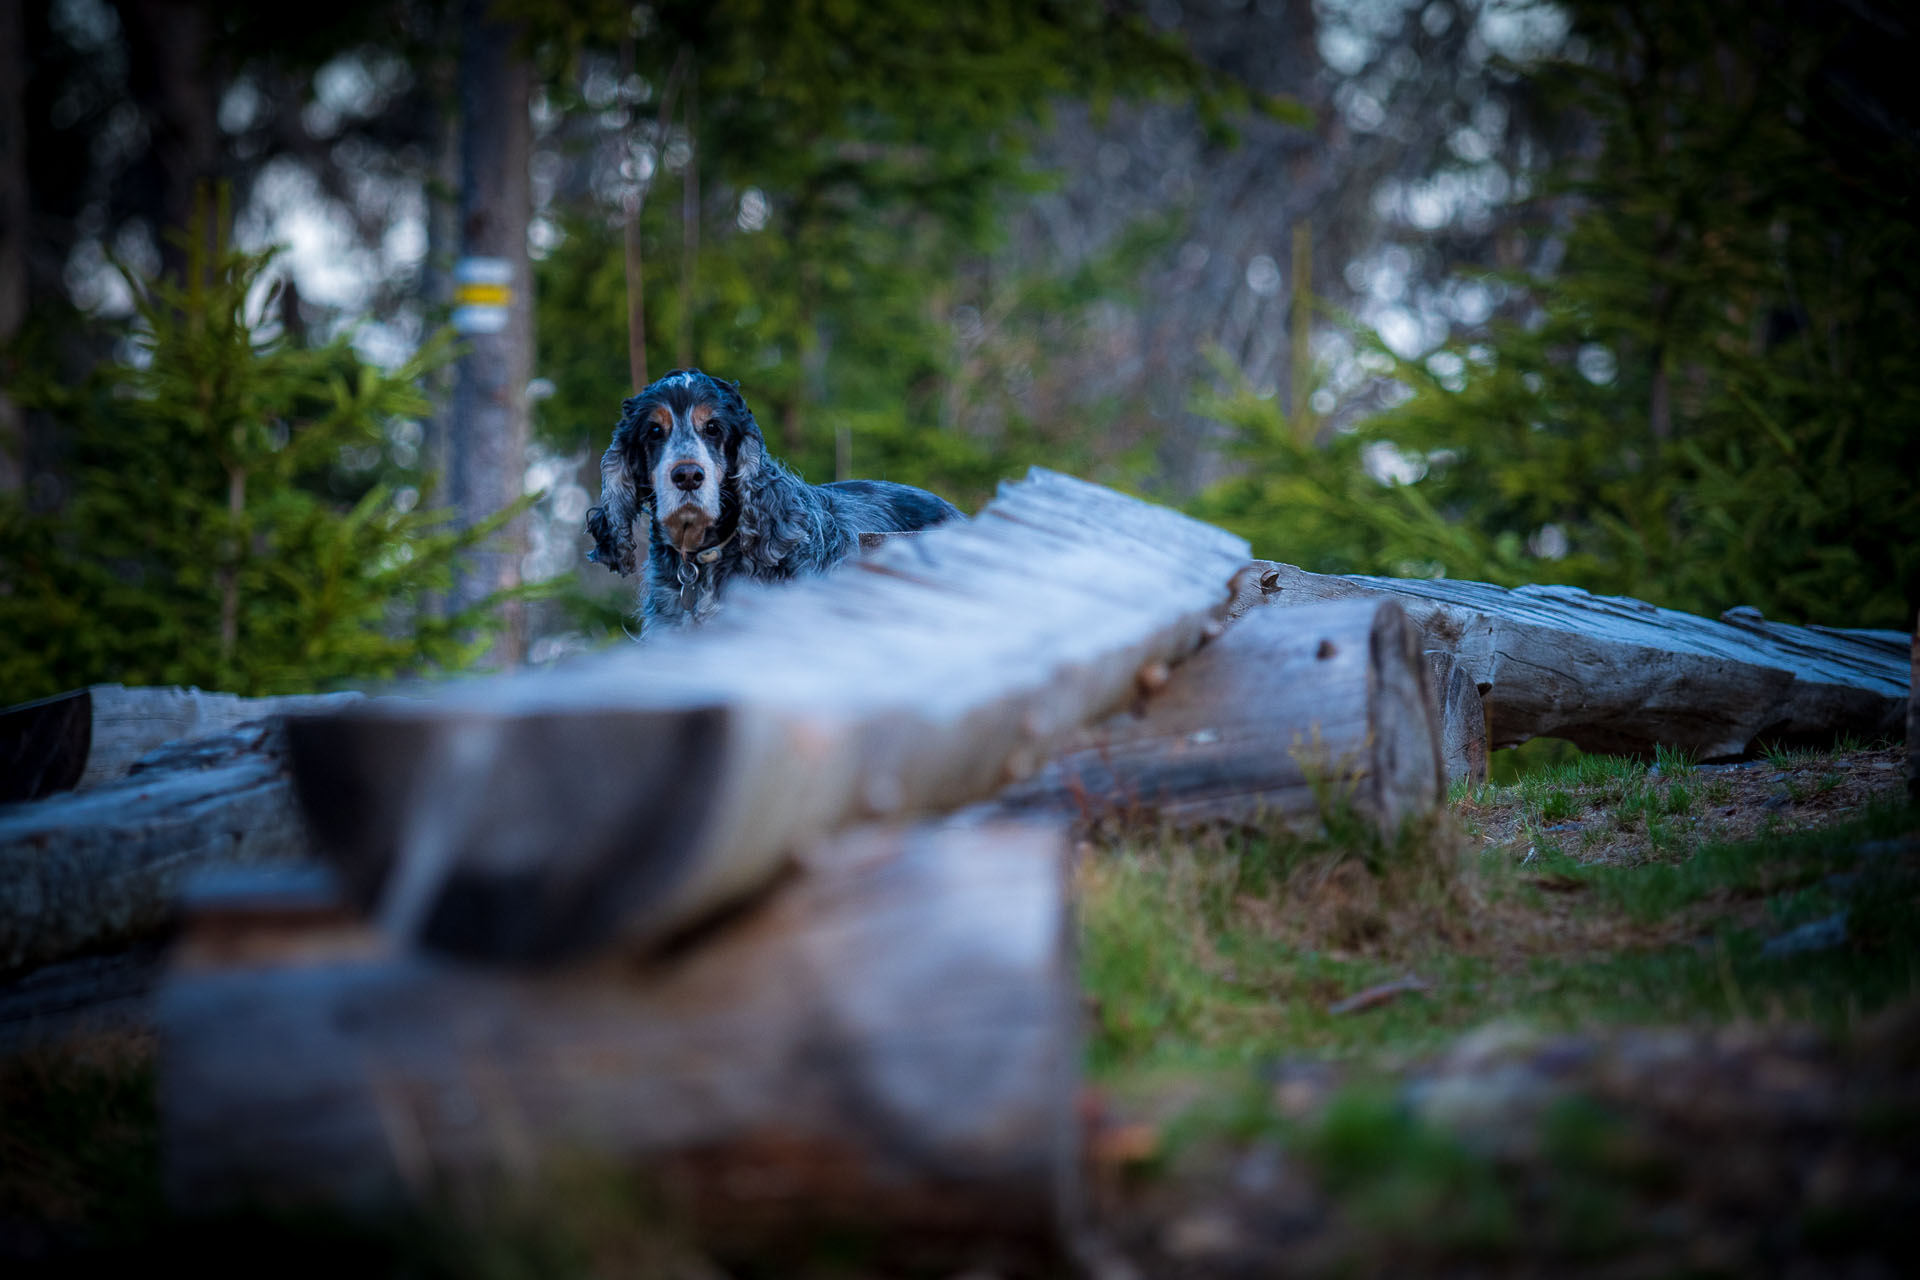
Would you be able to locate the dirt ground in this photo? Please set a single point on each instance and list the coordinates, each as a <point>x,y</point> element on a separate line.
<point>1747,1101</point>
<point>1771,1127</point>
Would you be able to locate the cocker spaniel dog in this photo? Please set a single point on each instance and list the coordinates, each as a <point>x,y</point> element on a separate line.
<point>688,456</point>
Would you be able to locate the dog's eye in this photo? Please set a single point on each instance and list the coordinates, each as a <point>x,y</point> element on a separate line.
<point>654,431</point>
<point>711,431</point>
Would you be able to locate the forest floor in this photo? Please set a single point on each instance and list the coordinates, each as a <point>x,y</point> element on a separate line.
<point>1613,1017</point>
<point>1618,1017</point>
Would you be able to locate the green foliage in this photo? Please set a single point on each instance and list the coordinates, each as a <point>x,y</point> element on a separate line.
<point>883,145</point>
<point>227,527</point>
<point>1715,400</point>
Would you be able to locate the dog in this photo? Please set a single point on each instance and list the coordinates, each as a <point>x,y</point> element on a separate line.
<point>688,455</point>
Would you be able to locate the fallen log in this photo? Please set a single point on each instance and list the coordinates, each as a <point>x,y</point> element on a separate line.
<point>536,816</point>
<point>79,739</point>
<point>1288,711</point>
<point>1913,716</point>
<point>86,869</point>
<point>886,1040</point>
<point>1613,674</point>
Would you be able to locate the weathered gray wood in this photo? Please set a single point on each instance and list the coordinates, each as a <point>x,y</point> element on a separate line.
<point>1913,715</point>
<point>1285,710</point>
<point>888,1038</point>
<point>539,815</point>
<point>87,995</point>
<point>1613,674</point>
<point>1461,716</point>
<point>85,869</point>
<point>84,737</point>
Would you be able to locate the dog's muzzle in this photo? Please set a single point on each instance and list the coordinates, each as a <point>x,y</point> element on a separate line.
<point>688,490</point>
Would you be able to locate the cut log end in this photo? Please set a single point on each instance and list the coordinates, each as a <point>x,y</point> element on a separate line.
<point>1286,707</point>
<point>1407,777</point>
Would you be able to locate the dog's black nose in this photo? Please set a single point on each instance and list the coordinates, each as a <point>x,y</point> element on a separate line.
<point>688,476</point>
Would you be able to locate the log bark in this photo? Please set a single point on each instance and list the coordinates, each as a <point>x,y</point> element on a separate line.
<point>537,816</point>
<point>84,737</point>
<point>1913,715</point>
<point>888,1039</point>
<point>1614,674</point>
<point>1288,711</point>
<point>89,869</point>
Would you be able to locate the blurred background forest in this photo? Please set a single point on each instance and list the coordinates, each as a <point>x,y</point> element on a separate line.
<point>1618,295</point>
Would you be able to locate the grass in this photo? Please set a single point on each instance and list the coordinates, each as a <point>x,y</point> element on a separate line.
<point>1219,959</point>
<point>1233,949</point>
<point>1213,968</point>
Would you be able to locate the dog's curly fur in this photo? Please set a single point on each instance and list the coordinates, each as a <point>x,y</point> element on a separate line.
<point>767,523</point>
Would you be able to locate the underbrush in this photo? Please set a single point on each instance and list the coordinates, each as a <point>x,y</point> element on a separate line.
<point>1239,946</point>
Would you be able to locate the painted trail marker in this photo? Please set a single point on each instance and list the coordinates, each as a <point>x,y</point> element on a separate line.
<point>482,292</point>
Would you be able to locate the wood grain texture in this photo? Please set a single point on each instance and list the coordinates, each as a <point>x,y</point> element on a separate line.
<point>1913,715</point>
<point>538,816</point>
<point>888,1038</point>
<point>86,869</point>
<point>1461,716</point>
<point>1613,674</point>
<point>1261,723</point>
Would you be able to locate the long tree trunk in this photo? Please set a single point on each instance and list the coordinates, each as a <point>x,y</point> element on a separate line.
<point>171,76</point>
<point>13,233</point>
<point>636,201</point>
<point>489,444</point>
<point>443,248</point>
<point>690,219</point>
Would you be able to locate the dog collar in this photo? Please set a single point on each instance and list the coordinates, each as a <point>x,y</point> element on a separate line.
<point>690,566</point>
<point>707,555</point>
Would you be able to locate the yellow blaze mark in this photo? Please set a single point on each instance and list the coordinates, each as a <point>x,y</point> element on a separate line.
<point>482,295</point>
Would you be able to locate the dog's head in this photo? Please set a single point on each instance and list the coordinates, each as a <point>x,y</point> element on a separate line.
<point>683,451</point>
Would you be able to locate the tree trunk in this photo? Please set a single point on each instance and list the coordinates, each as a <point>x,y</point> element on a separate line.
<point>1612,674</point>
<point>443,191</point>
<point>14,210</point>
<point>82,871</point>
<point>1287,712</point>
<point>489,444</point>
<point>170,76</point>
<point>690,218</point>
<point>628,794</point>
<point>887,1041</point>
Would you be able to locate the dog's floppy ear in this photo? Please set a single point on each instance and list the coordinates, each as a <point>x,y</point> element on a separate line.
<point>752,446</point>
<point>623,494</point>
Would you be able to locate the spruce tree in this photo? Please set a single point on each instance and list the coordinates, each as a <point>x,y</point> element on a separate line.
<point>1715,399</point>
<point>227,525</point>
